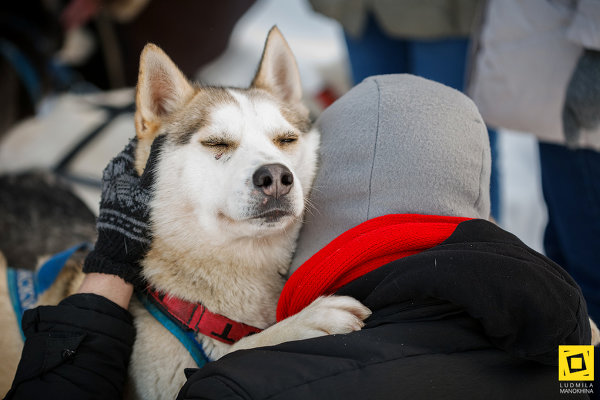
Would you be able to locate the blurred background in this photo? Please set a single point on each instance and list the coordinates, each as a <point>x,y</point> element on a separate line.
<point>69,69</point>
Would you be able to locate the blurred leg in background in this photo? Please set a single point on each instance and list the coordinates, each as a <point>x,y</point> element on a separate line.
<point>571,186</point>
<point>442,60</point>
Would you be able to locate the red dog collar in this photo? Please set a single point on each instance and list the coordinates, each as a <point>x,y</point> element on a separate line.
<point>196,317</point>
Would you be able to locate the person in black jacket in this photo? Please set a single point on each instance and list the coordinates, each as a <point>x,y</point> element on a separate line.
<point>461,308</point>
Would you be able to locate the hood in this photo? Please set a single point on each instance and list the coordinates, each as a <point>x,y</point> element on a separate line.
<point>396,144</point>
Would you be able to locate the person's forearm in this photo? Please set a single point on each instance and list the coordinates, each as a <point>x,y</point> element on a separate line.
<point>110,286</point>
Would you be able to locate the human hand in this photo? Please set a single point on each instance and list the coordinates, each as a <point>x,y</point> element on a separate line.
<point>581,110</point>
<point>123,224</point>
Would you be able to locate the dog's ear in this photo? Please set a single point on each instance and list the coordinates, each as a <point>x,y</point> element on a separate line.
<point>161,89</point>
<point>278,72</point>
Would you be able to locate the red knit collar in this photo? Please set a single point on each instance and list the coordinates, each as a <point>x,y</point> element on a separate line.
<point>360,250</point>
<point>196,317</point>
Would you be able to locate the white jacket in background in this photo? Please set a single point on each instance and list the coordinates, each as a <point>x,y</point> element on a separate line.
<point>525,55</point>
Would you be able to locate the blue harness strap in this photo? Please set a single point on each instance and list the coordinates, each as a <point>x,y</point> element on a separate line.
<point>21,288</point>
<point>48,272</point>
<point>187,338</point>
<point>25,286</point>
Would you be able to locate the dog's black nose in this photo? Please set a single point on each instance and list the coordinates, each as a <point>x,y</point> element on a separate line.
<point>275,180</point>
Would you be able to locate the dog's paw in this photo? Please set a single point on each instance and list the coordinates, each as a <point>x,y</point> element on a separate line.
<point>324,316</point>
<point>330,315</point>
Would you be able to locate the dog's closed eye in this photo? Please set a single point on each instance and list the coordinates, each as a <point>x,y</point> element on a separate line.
<point>286,139</point>
<point>219,146</point>
<point>217,143</point>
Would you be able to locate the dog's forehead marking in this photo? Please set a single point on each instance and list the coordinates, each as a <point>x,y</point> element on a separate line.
<point>249,117</point>
<point>198,112</point>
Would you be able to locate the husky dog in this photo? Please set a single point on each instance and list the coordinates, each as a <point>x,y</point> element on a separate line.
<point>231,183</point>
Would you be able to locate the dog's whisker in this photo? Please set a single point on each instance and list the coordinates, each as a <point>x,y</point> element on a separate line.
<point>310,207</point>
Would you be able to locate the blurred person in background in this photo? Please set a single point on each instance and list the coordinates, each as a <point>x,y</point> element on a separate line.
<point>88,45</point>
<point>537,70</point>
<point>191,32</point>
<point>424,38</point>
<point>29,37</point>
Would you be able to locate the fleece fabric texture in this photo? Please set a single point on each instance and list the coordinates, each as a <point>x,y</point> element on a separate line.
<point>396,144</point>
<point>479,316</point>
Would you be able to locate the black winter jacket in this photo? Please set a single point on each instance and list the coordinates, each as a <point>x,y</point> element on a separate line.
<point>478,317</point>
<point>76,350</point>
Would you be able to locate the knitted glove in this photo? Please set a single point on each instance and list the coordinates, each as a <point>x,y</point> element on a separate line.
<point>581,110</point>
<point>123,227</point>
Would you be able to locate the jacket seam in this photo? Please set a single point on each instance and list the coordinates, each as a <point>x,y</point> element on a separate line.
<point>239,391</point>
<point>124,317</point>
<point>78,331</point>
<point>74,385</point>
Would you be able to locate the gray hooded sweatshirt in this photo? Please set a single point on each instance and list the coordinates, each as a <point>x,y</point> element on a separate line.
<point>396,144</point>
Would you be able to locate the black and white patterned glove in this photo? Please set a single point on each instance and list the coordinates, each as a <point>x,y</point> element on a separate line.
<point>581,110</point>
<point>124,233</point>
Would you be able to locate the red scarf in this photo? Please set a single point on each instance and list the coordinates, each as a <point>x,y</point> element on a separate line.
<point>360,250</point>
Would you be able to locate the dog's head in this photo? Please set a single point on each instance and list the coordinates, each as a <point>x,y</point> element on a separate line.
<point>236,162</point>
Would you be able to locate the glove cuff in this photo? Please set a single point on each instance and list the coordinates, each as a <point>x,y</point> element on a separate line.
<point>97,262</point>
